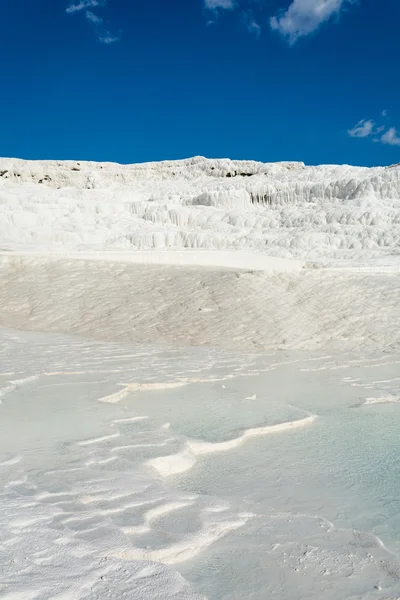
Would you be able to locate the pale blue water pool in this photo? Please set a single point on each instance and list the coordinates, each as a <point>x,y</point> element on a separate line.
<point>251,506</point>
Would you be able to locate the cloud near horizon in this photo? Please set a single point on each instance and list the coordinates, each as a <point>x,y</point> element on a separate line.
<point>391,137</point>
<point>362,129</point>
<point>367,128</point>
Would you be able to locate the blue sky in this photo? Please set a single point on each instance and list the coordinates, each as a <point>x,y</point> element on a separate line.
<point>137,80</point>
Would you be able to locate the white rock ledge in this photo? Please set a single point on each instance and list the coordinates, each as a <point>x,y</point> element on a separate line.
<point>229,259</point>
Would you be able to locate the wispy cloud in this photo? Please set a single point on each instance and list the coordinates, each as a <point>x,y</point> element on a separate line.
<point>251,24</point>
<point>217,4</point>
<point>95,19</point>
<point>363,129</point>
<point>103,35</point>
<point>83,5</point>
<point>300,19</point>
<point>247,15</point>
<point>391,137</point>
<point>304,17</point>
<point>368,128</point>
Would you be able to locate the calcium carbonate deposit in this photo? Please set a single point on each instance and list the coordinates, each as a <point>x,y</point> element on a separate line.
<point>280,209</point>
<point>199,381</point>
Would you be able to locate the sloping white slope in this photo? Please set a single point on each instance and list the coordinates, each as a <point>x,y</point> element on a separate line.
<point>311,309</point>
<point>281,209</point>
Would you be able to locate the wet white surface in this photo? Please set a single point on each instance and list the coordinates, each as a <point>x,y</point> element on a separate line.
<point>143,472</point>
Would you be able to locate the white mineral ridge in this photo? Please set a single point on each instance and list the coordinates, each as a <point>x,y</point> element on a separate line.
<point>169,252</point>
<point>286,483</point>
<point>326,213</point>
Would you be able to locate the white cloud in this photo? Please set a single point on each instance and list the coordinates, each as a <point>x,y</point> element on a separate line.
<point>251,24</point>
<point>108,38</point>
<point>103,35</point>
<point>367,128</point>
<point>93,18</point>
<point>364,128</point>
<point>215,4</point>
<point>83,5</point>
<point>304,17</point>
<point>390,137</point>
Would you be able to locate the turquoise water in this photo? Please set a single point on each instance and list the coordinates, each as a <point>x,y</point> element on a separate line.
<point>291,513</point>
<point>343,469</point>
